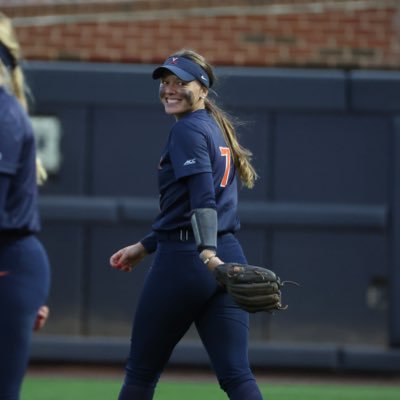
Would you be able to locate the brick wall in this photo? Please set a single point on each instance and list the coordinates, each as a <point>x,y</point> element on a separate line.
<point>296,33</point>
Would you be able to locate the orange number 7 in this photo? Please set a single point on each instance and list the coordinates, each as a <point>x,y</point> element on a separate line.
<point>226,152</point>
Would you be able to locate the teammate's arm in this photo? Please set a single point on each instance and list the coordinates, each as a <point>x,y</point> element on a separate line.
<point>4,184</point>
<point>10,150</point>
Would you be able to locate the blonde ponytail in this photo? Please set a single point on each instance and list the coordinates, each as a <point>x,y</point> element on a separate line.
<point>41,173</point>
<point>241,156</point>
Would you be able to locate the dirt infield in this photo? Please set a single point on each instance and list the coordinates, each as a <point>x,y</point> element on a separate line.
<point>201,374</point>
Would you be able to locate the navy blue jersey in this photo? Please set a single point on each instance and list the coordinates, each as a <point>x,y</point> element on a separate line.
<point>196,145</point>
<point>18,189</point>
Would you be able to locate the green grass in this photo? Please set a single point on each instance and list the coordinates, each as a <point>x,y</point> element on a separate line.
<point>103,389</point>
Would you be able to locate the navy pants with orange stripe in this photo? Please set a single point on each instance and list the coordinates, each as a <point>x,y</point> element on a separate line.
<point>179,291</point>
<point>24,285</point>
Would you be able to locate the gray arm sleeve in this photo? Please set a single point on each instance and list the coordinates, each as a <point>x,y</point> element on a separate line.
<point>205,227</point>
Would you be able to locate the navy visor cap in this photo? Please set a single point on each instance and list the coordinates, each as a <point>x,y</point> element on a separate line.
<point>184,69</point>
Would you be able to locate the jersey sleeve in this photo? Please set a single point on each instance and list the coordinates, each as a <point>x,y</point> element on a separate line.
<point>11,143</point>
<point>149,242</point>
<point>201,191</point>
<point>188,150</point>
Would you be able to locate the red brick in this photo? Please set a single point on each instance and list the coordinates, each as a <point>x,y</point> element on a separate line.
<point>294,39</point>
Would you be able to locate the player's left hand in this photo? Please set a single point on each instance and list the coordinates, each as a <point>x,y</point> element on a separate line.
<point>210,259</point>
<point>41,318</point>
<point>214,262</point>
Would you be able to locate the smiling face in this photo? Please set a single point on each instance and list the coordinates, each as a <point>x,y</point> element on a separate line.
<point>180,97</point>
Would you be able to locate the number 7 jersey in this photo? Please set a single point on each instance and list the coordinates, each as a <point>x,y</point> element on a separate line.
<point>196,145</point>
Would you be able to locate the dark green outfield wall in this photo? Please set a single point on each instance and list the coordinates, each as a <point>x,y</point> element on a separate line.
<point>325,211</point>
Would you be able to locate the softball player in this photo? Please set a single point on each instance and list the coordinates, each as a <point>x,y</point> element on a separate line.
<point>193,233</point>
<point>24,267</point>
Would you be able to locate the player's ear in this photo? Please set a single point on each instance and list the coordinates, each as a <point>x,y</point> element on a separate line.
<point>203,93</point>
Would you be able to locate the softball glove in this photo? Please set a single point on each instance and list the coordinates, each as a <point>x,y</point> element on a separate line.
<point>253,288</point>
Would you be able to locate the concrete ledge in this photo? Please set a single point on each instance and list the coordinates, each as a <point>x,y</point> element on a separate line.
<point>375,90</point>
<point>79,349</point>
<point>137,209</point>
<point>294,355</point>
<point>328,357</point>
<point>370,359</point>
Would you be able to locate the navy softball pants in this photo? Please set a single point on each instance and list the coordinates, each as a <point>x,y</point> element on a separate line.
<point>178,291</point>
<point>24,285</point>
